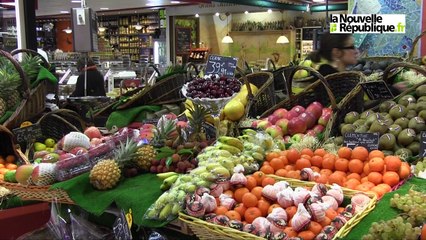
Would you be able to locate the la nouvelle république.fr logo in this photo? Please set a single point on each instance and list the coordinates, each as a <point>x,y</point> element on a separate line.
<point>367,23</point>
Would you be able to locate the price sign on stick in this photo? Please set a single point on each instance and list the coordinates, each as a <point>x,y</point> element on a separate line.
<point>422,152</point>
<point>367,140</point>
<point>221,65</point>
<point>27,134</point>
<point>377,90</point>
<point>121,227</point>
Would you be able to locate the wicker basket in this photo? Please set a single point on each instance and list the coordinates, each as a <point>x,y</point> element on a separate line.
<point>33,102</point>
<point>280,76</point>
<point>57,124</point>
<point>37,193</point>
<point>45,64</point>
<point>205,230</point>
<point>8,146</point>
<point>411,53</point>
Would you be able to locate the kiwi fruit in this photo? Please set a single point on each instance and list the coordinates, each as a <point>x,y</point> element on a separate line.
<point>407,99</point>
<point>398,111</point>
<point>421,90</point>
<point>403,122</point>
<point>387,141</point>
<point>406,137</point>
<point>417,123</point>
<point>386,106</point>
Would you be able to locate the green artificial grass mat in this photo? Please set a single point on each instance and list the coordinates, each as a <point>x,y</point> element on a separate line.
<point>137,193</point>
<point>13,202</point>
<point>122,118</point>
<point>383,210</point>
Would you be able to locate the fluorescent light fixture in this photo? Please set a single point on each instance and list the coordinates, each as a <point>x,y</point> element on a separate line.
<point>227,39</point>
<point>282,39</point>
<point>269,10</point>
<point>151,4</point>
<point>217,14</point>
<point>246,12</point>
<point>102,29</point>
<point>308,8</point>
<point>67,30</point>
<point>197,15</point>
<point>103,8</point>
<point>64,12</point>
<point>318,1</point>
<point>76,1</point>
<point>8,4</point>
<point>138,26</point>
<point>174,2</point>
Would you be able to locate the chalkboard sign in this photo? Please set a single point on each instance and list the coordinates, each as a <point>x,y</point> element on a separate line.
<point>27,134</point>
<point>183,40</point>
<point>221,65</point>
<point>367,140</point>
<point>10,43</point>
<point>377,90</point>
<point>422,152</point>
<point>121,228</point>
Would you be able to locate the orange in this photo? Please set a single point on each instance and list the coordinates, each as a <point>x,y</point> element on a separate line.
<point>272,155</point>
<point>356,166</point>
<point>325,222</point>
<point>289,168</point>
<point>360,153</point>
<point>354,176</point>
<point>305,157</point>
<point>423,233</point>
<point>294,174</point>
<point>281,172</point>
<point>307,151</point>
<point>366,169</point>
<point>249,200</point>
<point>316,161</point>
<point>322,179</point>
<point>265,163</point>
<point>1,177</point>
<point>292,155</point>
<point>379,191</point>
<point>330,213</point>
<point>11,166</point>
<point>4,170</point>
<point>290,232</point>
<point>251,182</point>
<point>329,155</point>
<point>284,160</point>
<point>369,184</point>
<point>375,178</point>
<point>341,164</point>
<point>221,210</point>
<point>376,153</point>
<point>315,227</point>
<point>302,163</point>
<point>316,169</point>
<point>340,210</point>
<point>320,152</point>
<point>393,163</point>
<point>240,208</point>
<point>405,170</point>
<point>364,179</point>
<point>327,172</point>
<point>251,214</point>
<point>267,169</point>
<point>10,159</point>
<point>268,181</point>
<point>275,205</point>
<point>283,153</point>
<point>376,164</point>
<point>344,152</point>
<point>336,178</point>
<point>291,211</point>
<point>391,178</point>
<point>2,161</point>
<point>352,183</point>
<point>277,164</point>
<point>263,205</point>
<point>239,193</point>
<point>328,163</point>
<point>2,165</point>
<point>362,188</point>
<point>306,235</point>
<point>385,187</point>
<point>259,175</point>
<point>233,215</point>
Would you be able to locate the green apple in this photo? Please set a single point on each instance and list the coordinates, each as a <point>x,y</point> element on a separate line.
<point>38,160</point>
<point>38,146</point>
<point>50,149</point>
<point>49,142</point>
<point>307,63</point>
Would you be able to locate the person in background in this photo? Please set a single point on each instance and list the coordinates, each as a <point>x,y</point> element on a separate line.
<point>335,54</point>
<point>94,82</point>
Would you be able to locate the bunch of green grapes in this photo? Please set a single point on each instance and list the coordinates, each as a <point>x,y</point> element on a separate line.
<point>392,229</point>
<point>420,166</point>
<point>413,204</point>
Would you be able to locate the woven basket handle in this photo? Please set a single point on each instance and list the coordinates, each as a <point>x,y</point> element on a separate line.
<point>189,65</point>
<point>247,83</point>
<point>273,64</point>
<point>416,40</point>
<point>316,74</point>
<point>25,82</point>
<point>146,71</point>
<point>46,64</point>
<point>405,65</point>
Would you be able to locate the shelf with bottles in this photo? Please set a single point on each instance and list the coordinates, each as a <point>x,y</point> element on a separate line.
<point>198,54</point>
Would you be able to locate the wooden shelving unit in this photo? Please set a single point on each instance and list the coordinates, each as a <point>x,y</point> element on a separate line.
<point>198,55</point>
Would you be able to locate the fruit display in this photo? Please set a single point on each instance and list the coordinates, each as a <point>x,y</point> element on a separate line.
<point>283,123</point>
<point>271,209</point>
<point>10,81</point>
<point>392,229</point>
<point>420,169</point>
<point>215,166</point>
<point>302,73</point>
<point>369,66</point>
<point>212,87</point>
<point>413,205</point>
<point>399,124</point>
<point>355,168</point>
<point>8,168</point>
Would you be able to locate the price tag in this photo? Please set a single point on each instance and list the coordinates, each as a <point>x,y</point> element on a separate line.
<point>377,90</point>
<point>224,66</point>
<point>422,152</point>
<point>28,134</point>
<point>367,140</point>
<point>121,227</point>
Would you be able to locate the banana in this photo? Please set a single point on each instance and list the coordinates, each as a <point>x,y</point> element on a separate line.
<point>247,138</point>
<point>176,209</point>
<point>249,131</point>
<point>166,175</point>
<point>212,166</point>
<point>231,141</point>
<point>209,148</point>
<point>229,148</point>
<point>227,163</point>
<point>259,149</point>
<point>221,172</point>
<point>257,156</point>
<point>165,212</point>
<point>168,182</point>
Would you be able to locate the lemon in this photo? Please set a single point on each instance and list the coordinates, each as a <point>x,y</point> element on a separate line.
<point>253,88</point>
<point>234,110</point>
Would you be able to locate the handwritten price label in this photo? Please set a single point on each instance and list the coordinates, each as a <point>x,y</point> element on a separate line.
<point>121,227</point>
<point>224,66</point>
<point>27,134</point>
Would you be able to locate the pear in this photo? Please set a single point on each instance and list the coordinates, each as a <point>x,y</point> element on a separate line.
<point>347,128</point>
<point>417,123</point>
<point>379,126</point>
<point>406,100</point>
<point>410,114</point>
<point>398,111</point>
<point>395,129</point>
<point>365,114</point>
<point>351,117</point>
<point>403,122</point>
<point>421,90</point>
<point>406,137</point>
<point>387,141</point>
<point>414,147</point>
<point>386,106</point>
<point>420,106</point>
<point>359,122</point>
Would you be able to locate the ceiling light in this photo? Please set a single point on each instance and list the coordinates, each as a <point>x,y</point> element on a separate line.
<point>227,39</point>
<point>282,39</point>
<point>318,0</point>
<point>217,14</point>
<point>65,12</point>
<point>76,1</point>
<point>269,10</point>
<point>197,15</point>
<point>103,8</point>
<point>174,2</point>
<point>102,29</point>
<point>67,30</point>
<point>246,12</point>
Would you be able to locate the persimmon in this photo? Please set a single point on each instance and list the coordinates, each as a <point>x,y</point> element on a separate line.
<point>344,152</point>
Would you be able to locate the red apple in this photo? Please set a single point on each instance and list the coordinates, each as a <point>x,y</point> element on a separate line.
<point>171,116</point>
<point>299,109</point>
<point>274,131</point>
<point>148,126</point>
<point>287,138</point>
<point>323,120</point>
<point>273,119</point>
<point>318,128</point>
<point>146,134</point>
<point>296,125</point>
<point>326,110</point>
<point>79,150</point>
<point>292,114</point>
<point>95,141</point>
<point>93,132</point>
<point>182,124</point>
<point>65,156</point>
<point>281,113</point>
<point>263,124</point>
<point>283,124</point>
<point>311,133</point>
<point>315,108</point>
<point>254,124</point>
<point>309,118</point>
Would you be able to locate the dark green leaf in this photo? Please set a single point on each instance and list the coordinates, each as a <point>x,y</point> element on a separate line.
<point>169,161</point>
<point>184,151</point>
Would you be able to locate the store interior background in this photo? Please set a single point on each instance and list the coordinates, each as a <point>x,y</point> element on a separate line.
<point>254,46</point>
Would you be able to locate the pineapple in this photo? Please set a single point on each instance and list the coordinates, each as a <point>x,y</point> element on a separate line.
<point>2,107</point>
<point>10,81</point>
<point>164,131</point>
<point>197,115</point>
<point>107,173</point>
<point>31,66</point>
<point>145,155</point>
